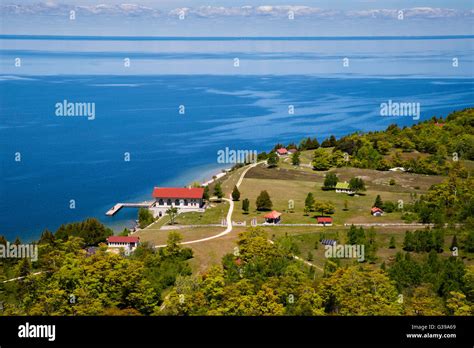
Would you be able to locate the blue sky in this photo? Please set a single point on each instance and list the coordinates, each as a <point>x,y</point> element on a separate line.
<point>340,4</point>
<point>237,17</point>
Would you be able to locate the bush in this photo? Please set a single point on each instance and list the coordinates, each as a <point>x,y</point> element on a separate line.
<point>389,207</point>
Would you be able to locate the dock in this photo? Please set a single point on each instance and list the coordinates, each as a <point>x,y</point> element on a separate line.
<point>112,211</point>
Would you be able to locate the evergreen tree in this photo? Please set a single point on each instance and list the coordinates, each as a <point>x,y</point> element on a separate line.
<point>218,191</point>
<point>125,232</point>
<point>329,142</point>
<point>438,240</point>
<point>392,244</point>
<point>206,193</point>
<point>46,237</point>
<point>469,242</point>
<point>454,242</point>
<point>272,160</point>
<point>409,242</point>
<point>330,180</point>
<point>346,205</point>
<point>309,202</point>
<point>295,159</point>
<point>263,201</point>
<point>378,202</point>
<point>246,205</point>
<point>235,194</point>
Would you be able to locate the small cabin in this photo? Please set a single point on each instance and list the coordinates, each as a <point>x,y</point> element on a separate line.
<point>273,217</point>
<point>375,211</point>
<point>343,187</point>
<point>324,220</point>
<point>127,243</point>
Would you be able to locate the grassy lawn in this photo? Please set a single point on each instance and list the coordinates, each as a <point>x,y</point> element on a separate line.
<point>281,191</point>
<point>212,215</point>
<point>159,237</point>
<point>210,253</point>
<point>294,184</point>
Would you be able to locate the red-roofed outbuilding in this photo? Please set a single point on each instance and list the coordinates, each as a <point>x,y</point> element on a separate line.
<point>324,220</point>
<point>282,151</point>
<point>273,217</point>
<point>127,243</point>
<point>375,211</point>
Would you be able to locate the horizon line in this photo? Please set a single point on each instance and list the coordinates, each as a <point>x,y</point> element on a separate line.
<point>231,38</point>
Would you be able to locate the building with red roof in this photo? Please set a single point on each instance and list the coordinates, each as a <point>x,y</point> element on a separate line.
<point>127,243</point>
<point>273,217</point>
<point>324,220</point>
<point>375,211</point>
<point>186,199</point>
<point>282,151</point>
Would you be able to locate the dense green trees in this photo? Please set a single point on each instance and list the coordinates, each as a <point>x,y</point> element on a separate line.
<point>424,240</point>
<point>324,207</point>
<point>321,160</point>
<point>360,291</point>
<point>74,282</point>
<point>357,185</point>
<point>257,278</point>
<point>437,144</point>
<point>91,231</point>
<point>309,144</point>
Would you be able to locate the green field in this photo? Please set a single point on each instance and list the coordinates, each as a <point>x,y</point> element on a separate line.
<point>287,182</point>
<point>293,184</point>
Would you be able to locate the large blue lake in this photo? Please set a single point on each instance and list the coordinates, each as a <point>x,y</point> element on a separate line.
<point>46,161</point>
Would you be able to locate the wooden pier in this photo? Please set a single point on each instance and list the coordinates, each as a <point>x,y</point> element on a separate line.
<point>112,211</point>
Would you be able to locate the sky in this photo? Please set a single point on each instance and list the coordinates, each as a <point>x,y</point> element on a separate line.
<point>237,17</point>
<point>340,4</point>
